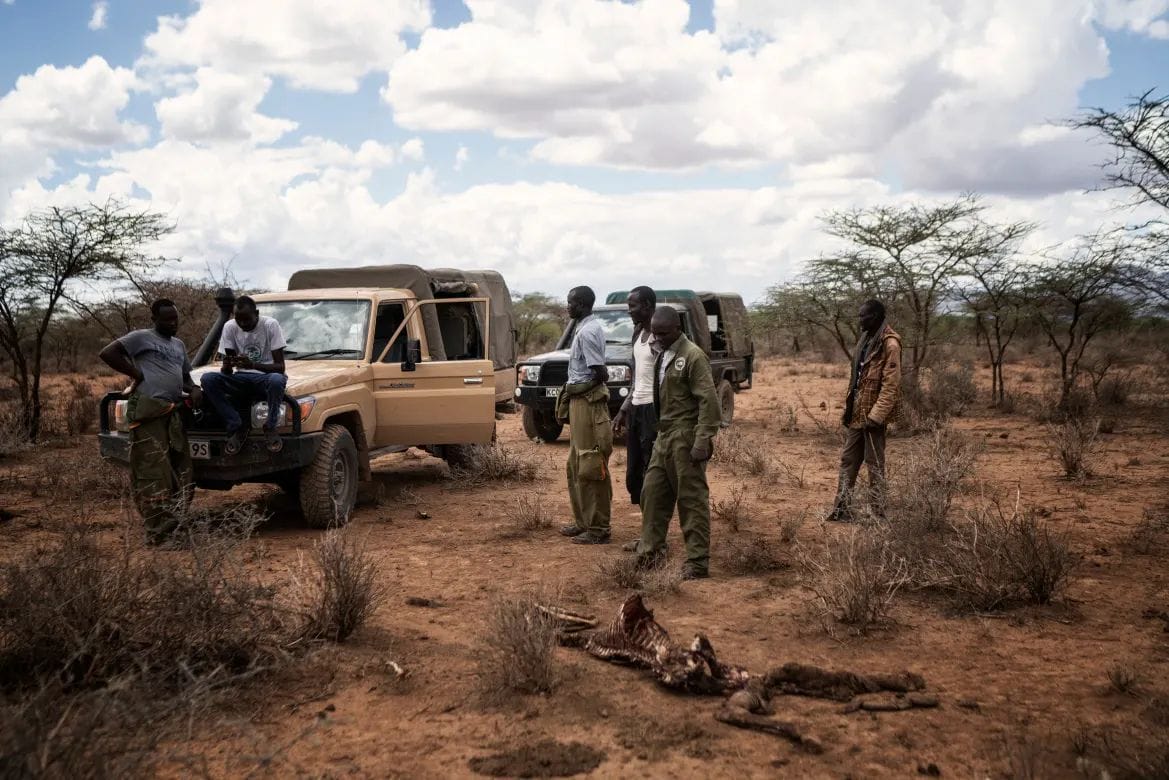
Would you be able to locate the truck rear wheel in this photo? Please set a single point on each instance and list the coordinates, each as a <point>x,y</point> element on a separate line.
<point>540,425</point>
<point>726,402</point>
<point>328,485</point>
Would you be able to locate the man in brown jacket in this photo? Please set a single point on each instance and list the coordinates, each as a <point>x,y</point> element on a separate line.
<point>874,390</point>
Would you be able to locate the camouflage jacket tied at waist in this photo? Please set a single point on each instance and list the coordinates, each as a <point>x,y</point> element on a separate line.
<point>878,391</point>
<point>687,398</point>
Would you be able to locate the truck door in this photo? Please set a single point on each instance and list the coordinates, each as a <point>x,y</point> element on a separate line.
<point>450,401</point>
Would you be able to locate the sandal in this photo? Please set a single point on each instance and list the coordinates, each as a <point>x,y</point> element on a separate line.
<point>272,440</point>
<point>234,443</point>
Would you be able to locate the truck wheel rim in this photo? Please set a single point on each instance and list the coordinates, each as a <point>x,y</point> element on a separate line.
<point>339,483</point>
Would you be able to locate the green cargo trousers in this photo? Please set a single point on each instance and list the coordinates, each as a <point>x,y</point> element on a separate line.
<point>673,478</point>
<point>590,443</point>
<point>161,473</point>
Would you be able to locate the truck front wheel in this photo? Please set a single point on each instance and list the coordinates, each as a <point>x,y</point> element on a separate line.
<point>726,402</point>
<point>328,485</point>
<point>541,425</point>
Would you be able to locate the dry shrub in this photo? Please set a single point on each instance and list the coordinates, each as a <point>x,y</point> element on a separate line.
<point>791,472</point>
<point>98,734</point>
<point>938,395</point>
<point>13,440</point>
<point>855,578</point>
<point>995,557</point>
<point>732,510</point>
<point>789,527</point>
<point>483,464</point>
<point>1149,533</point>
<point>1123,678</point>
<point>1117,388</point>
<point>827,425</point>
<point>518,649</point>
<point>929,478</point>
<point>748,554</point>
<point>1136,756</point>
<point>91,615</point>
<point>529,516</point>
<point>622,573</point>
<point>336,589</point>
<point>1074,444</point>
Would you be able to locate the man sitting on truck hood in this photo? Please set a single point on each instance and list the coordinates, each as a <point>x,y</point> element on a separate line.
<point>253,370</point>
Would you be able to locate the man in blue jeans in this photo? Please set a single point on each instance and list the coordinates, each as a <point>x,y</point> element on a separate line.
<point>253,370</point>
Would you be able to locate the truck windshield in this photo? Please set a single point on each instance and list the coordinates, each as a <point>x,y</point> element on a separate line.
<point>321,330</point>
<point>618,327</point>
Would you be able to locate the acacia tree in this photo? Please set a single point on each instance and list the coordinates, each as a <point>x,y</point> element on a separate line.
<point>1138,136</point>
<point>539,319</point>
<point>920,249</point>
<point>993,291</point>
<point>826,297</point>
<point>45,260</point>
<point>1076,298</point>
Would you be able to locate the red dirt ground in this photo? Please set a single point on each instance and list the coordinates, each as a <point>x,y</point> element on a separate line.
<point>1038,675</point>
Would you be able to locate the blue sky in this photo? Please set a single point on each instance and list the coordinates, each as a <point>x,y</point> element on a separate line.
<point>559,140</point>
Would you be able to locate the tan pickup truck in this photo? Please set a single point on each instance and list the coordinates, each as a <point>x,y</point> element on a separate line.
<point>371,369</point>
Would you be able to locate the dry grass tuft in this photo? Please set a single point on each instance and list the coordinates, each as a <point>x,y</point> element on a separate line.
<point>996,557</point>
<point>930,478</point>
<point>733,510</point>
<point>622,573</point>
<point>336,590</point>
<point>529,516</point>
<point>789,527</point>
<point>519,643</point>
<point>1148,535</point>
<point>855,578</point>
<point>1123,678</point>
<point>748,554</point>
<point>1074,444</point>
<point>484,464</point>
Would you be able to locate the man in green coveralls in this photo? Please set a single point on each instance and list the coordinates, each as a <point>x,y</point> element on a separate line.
<point>688,419</point>
<point>161,475</point>
<point>584,404</point>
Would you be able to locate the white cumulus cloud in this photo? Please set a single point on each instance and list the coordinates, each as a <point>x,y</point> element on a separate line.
<point>221,107</point>
<point>98,20</point>
<point>326,46</point>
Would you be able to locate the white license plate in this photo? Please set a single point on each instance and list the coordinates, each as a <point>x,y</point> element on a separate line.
<point>552,392</point>
<point>200,450</point>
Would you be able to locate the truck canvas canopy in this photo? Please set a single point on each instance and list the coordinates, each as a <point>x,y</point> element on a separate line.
<point>426,284</point>
<point>687,298</point>
<point>732,322</point>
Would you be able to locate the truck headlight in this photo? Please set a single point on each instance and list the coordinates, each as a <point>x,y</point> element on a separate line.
<point>284,417</point>
<point>618,373</point>
<point>530,374</point>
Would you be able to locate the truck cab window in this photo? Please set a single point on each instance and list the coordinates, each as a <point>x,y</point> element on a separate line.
<point>389,318</point>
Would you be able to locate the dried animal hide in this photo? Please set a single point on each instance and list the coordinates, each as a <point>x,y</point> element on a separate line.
<point>804,680</point>
<point>635,638</point>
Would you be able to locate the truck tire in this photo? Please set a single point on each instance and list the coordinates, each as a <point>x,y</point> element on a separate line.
<point>541,426</point>
<point>726,402</point>
<point>328,485</point>
<point>459,456</point>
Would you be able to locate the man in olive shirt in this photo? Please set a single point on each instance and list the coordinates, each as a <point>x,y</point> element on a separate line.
<point>688,419</point>
<point>161,474</point>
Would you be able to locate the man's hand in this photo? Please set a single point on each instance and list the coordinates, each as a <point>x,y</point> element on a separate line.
<point>619,422</point>
<point>196,397</point>
<point>243,361</point>
<point>870,425</point>
<point>139,379</point>
<point>700,453</point>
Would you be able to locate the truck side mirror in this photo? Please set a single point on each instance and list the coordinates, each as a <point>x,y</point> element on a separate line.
<point>413,354</point>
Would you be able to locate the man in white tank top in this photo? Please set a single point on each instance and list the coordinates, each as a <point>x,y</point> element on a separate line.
<point>637,413</point>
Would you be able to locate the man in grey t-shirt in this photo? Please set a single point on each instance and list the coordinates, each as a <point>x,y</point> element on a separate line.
<point>161,475</point>
<point>590,489</point>
<point>253,370</point>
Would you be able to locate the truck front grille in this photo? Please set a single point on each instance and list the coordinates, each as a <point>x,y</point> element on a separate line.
<point>554,374</point>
